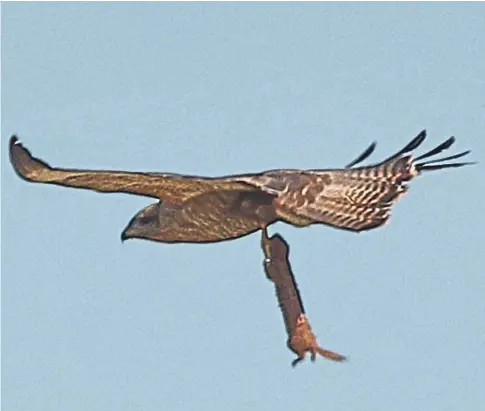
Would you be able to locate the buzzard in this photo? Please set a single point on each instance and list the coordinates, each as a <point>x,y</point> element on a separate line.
<point>202,209</point>
<point>278,270</point>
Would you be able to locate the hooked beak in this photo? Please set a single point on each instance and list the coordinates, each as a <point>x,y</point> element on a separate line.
<point>143,224</point>
<point>125,235</point>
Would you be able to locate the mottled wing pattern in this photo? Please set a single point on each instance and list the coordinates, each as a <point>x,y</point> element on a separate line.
<point>215,216</point>
<point>301,339</point>
<point>174,187</point>
<point>353,198</point>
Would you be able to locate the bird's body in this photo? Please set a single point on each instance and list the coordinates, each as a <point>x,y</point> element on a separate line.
<point>205,209</point>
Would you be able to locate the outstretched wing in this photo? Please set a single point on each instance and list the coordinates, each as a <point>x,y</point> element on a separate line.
<point>353,198</point>
<point>173,187</point>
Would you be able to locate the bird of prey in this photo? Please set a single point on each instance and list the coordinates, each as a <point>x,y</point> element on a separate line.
<point>278,269</point>
<point>202,209</point>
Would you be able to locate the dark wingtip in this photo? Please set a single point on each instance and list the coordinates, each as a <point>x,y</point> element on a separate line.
<point>13,144</point>
<point>13,140</point>
<point>426,167</point>
<point>16,152</point>
<point>445,145</point>
<point>439,160</point>
<point>368,151</point>
<point>24,163</point>
<point>440,163</point>
<point>413,144</point>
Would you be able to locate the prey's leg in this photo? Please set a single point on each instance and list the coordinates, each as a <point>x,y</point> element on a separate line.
<point>297,360</point>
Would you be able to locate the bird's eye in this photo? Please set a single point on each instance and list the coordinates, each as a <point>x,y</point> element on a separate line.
<point>145,219</point>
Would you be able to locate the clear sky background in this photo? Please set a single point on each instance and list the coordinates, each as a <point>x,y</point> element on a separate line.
<point>89,323</point>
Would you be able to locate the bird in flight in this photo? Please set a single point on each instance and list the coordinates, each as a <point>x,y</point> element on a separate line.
<point>195,209</point>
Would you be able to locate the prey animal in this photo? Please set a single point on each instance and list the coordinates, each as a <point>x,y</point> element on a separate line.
<point>301,339</point>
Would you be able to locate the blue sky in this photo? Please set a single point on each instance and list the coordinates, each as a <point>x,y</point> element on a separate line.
<point>90,323</point>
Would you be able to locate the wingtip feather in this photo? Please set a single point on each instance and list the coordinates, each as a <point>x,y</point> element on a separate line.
<point>367,152</point>
<point>412,145</point>
<point>13,140</point>
<point>24,164</point>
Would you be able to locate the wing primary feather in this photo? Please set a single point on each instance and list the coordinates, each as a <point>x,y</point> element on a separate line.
<point>443,146</point>
<point>435,164</point>
<point>441,166</point>
<point>453,157</point>
<point>173,187</point>
<point>368,151</point>
<point>413,144</point>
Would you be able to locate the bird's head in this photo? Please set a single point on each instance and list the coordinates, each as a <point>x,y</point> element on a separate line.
<point>145,223</point>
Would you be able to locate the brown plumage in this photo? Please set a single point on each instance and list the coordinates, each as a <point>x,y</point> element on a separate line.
<point>301,339</point>
<point>202,209</point>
